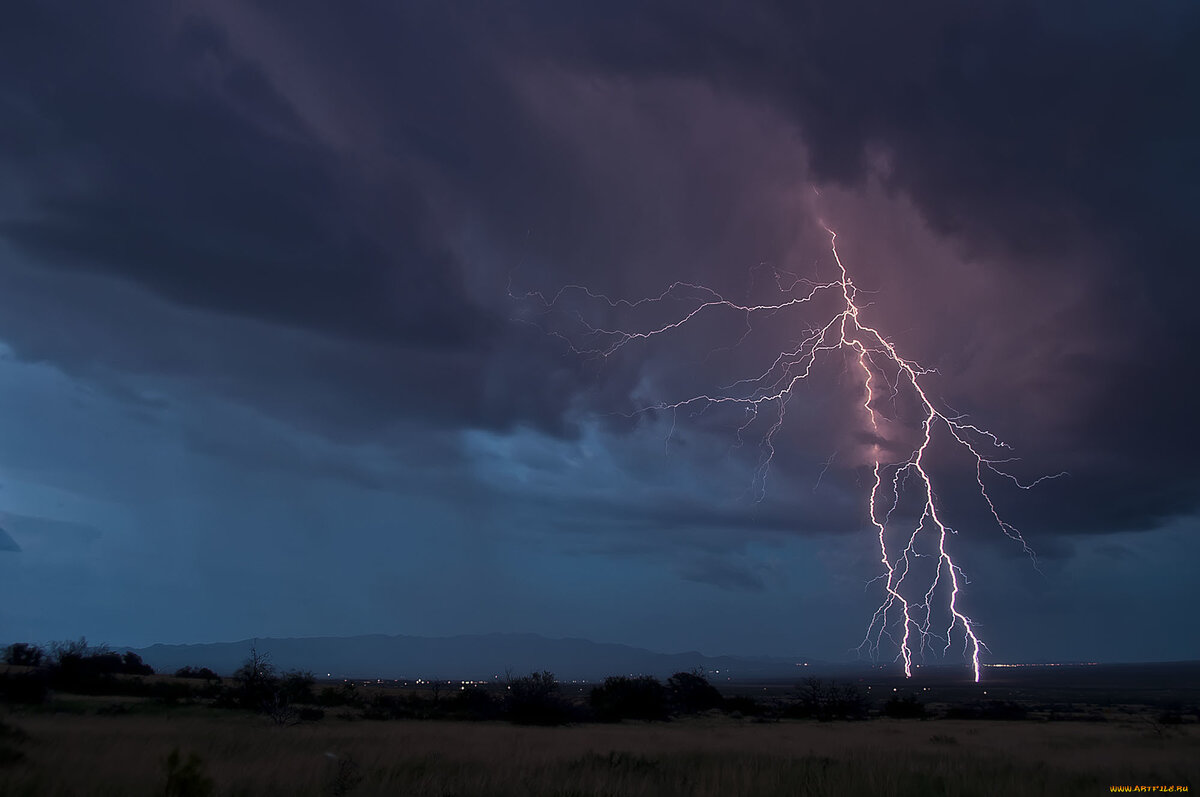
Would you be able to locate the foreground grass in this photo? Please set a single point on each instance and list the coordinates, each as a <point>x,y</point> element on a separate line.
<point>126,755</point>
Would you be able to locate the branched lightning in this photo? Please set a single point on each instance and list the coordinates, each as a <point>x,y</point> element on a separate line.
<point>905,617</point>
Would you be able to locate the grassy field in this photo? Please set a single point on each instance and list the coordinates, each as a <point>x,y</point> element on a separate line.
<point>126,754</point>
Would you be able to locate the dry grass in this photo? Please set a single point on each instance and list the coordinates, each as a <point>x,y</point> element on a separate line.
<point>125,755</point>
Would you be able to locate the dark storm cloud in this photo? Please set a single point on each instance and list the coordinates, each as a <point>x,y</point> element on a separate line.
<point>1030,130</point>
<point>206,206</point>
<point>148,352</point>
<point>1021,125</point>
<point>337,198</point>
<point>141,146</point>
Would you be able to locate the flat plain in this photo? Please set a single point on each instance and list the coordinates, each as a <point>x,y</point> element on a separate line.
<point>1070,730</point>
<point>70,753</point>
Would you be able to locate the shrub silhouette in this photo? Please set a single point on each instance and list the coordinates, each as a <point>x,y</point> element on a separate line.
<point>690,692</point>
<point>132,664</point>
<point>534,699</point>
<point>78,658</point>
<point>827,702</point>
<point>255,682</point>
<point>641,698</point>
<point>78,667</point>
<point>23,654</point>
<point>257,686</point>
<point>297,687</point>
<point>201,673</point>
<point>74,666</point>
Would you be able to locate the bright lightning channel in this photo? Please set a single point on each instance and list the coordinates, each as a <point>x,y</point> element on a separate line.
<point>905,616</point>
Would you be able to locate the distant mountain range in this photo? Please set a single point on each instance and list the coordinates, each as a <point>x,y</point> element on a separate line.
<point>473,657</point>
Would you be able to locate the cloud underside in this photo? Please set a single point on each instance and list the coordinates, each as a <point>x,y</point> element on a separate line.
<point>320,214</point>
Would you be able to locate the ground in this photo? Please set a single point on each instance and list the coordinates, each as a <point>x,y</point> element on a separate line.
<point>124,751</point>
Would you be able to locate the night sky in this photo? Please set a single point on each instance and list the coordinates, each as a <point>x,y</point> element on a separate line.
<point>268,368</point>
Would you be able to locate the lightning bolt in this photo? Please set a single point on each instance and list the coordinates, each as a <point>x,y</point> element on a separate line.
<point>905,617</point>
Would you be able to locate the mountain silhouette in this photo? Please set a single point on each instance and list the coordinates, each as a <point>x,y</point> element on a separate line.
<point>474,657</point>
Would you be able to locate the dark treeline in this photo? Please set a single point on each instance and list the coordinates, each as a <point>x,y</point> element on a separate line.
<point>69,667</point>
<point>289,697</point>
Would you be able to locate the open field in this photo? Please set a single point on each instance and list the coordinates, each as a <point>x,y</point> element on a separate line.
<point>1105,692</point>
<point>68,754</point>
<point>1025,731</point>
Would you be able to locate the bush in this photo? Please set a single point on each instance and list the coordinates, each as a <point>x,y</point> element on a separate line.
<point>255,683</point>
<point>201,673</point>
<point>297,687</point>
<point>76,667</point>
<point>23,654</point>
<point>535,700</point>
<point>690,692</point>
<point>77,648</point>
<point>642,698</point>
<point>828,702</point>
<point>132,664</point>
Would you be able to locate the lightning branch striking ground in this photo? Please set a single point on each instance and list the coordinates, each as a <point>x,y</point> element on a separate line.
<point>905,616</point>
